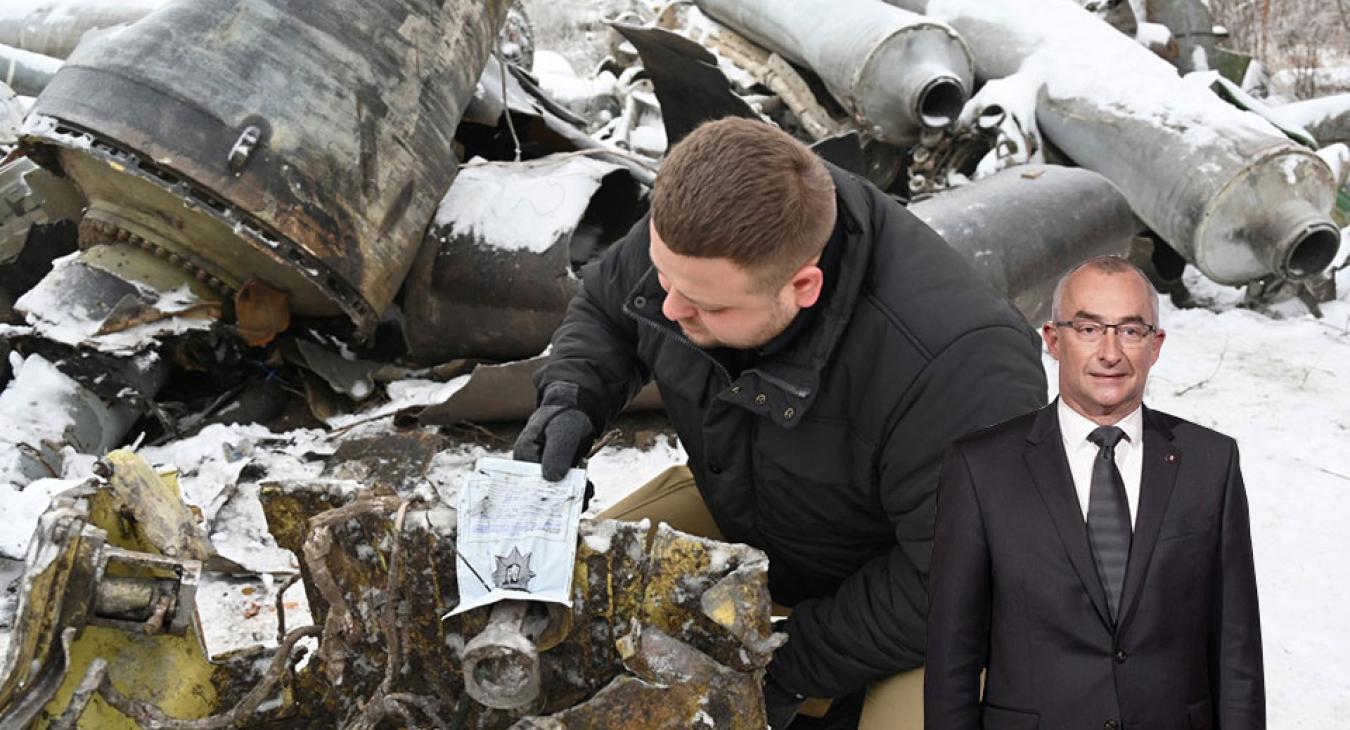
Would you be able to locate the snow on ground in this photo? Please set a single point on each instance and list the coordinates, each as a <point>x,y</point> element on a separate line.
<point>1276,380</point>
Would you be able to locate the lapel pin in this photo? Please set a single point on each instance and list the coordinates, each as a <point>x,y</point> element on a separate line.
<point>1170,458</point>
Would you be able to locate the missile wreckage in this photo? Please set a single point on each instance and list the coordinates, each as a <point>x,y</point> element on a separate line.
<point>357,225</point>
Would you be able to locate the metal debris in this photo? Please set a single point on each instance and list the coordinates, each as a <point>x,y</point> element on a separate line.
<point>323,194</point>
<point>896,72</point>
<point>496,269</point>
<point>1003,225</point>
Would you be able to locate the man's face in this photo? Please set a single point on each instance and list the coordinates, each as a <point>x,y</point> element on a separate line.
<point>717,303</point>
<point>1104,380</point>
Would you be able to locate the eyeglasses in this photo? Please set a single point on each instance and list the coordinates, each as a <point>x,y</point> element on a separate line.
<point>1129,333</point>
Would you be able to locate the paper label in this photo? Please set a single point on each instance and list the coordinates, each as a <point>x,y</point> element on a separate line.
<point>517,534</point>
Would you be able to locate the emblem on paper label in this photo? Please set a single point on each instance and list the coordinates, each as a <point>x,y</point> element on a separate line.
<point>513,571</point>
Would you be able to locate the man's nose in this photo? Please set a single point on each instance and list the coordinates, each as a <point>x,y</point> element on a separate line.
<point>676,307</point>
<point>1109,350</point>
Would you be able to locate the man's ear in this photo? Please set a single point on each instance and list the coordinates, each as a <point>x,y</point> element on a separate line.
<point>806,285</point>
<point>1050,335</point>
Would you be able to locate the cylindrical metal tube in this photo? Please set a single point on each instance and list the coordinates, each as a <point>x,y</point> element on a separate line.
<point>899,72</point>
<point>26,72</point>
<point>1193,28</point>
<point>55,27</point>
<point>501,664</point>
<point>1024,227</point>
<point>1223,187</point>
<point>301,144</point>
<point>494,275</point>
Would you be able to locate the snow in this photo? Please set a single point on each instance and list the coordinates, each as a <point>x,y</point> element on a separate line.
<point>1313,111</point>
<point>403,394</point>
<point>522,206</point>
<point>48,310</point>
<point>1274,380</point>
<point>1153,34</point>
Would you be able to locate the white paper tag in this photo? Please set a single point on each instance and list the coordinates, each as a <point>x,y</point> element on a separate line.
<point>517,534</point>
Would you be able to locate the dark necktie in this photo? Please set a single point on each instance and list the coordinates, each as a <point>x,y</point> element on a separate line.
<point>1108,519</point>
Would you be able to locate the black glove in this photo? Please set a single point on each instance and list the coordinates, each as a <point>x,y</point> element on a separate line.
<point>558,434</point>
<point>780,703</point>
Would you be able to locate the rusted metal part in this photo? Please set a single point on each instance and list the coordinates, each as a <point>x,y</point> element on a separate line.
<point>1022,228</point>
<point>106,633</point>
<point>897,73</point>
<point>261,312</point>
<point>683,569</point>
<point>947,159</point>
<point>617,581</point>
<point>675,686</point>
<point>495,271</point>
<point>26,72</point>
<point>56,27</point>
<point>779,75</point>
<point>1222,187</point>
<point>323,193</point>
<point>501,663</point>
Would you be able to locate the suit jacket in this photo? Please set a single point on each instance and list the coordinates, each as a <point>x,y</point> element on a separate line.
<point>1014,589</point>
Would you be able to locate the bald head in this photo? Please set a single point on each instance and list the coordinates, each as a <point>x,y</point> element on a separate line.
<point>1111,265</point>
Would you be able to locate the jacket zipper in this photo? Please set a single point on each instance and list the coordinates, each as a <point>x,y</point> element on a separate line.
<point>680,338</point>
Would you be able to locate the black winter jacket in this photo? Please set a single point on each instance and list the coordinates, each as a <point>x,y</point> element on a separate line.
<point>824,455</point>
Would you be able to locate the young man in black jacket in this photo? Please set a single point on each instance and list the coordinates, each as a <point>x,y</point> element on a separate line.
<point>816,347</point>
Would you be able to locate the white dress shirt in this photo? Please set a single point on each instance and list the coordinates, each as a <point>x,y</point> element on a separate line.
<point>1075,427</point>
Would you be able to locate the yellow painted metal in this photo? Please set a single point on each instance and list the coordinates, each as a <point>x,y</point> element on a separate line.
<point>170,672</point>
<point>145,512</point>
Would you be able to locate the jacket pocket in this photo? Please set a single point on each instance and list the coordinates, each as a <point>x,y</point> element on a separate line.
<point>1185,527</point>
<point>1201,715</point>
<point>997,718</point>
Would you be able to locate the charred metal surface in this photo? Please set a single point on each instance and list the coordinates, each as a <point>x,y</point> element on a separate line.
<point>897,72</point>
<point>542,125</point>
<point>495,285</point>
<point>675,686</point>
<point>717,643</point>
<point>398,461</point>
<point>685,77</point>
<point>324,193</point>
<point>106,633</point>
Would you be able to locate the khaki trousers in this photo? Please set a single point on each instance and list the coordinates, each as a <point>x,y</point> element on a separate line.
<point>673,498</point>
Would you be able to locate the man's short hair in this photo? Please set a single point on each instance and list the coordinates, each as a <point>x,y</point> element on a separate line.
<point>1107,264</point>
<point>747,191</point>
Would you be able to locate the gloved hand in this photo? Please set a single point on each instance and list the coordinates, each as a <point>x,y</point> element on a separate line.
<point>558,433</point>
<point>780,703</point>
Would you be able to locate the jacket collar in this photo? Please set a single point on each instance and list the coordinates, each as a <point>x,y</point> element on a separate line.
<point>1049,467</point>
<point>784,385</point>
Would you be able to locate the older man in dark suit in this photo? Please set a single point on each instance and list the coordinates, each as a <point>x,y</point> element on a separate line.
<point>1094,557</point>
